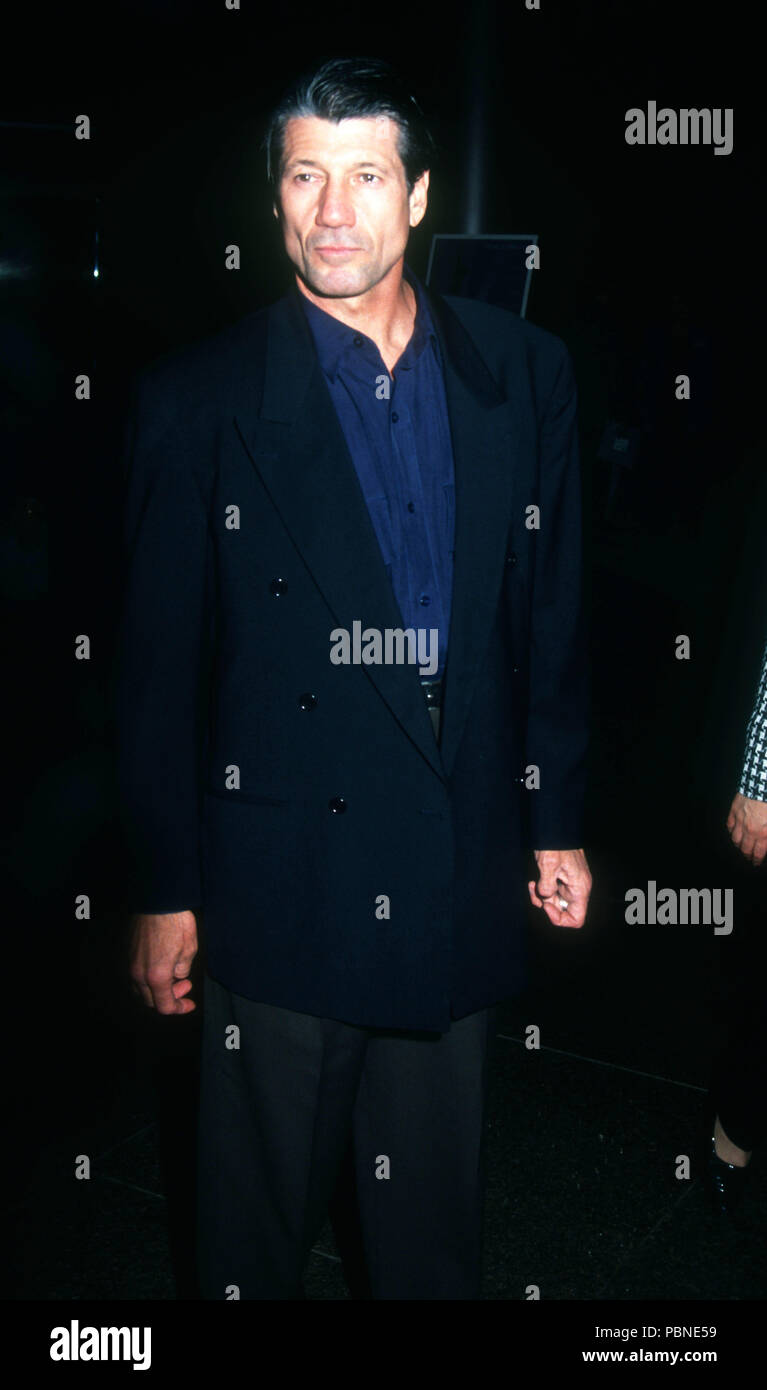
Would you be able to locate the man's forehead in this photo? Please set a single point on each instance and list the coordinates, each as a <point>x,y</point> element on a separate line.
<point>355,136</point>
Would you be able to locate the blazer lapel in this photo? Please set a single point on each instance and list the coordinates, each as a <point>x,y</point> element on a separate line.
<point>487,448</point>
<point>296,443</point>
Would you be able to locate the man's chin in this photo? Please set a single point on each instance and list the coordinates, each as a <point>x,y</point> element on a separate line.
<point>335,282</point>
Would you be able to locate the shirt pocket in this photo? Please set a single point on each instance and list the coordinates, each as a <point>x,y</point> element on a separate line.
<point>381,518</point>
<point>448,515</point>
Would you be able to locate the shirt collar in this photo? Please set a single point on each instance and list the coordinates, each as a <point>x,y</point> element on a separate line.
<point>335,340</point>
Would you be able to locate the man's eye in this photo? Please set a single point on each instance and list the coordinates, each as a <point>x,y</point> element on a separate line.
<point>365,175</point>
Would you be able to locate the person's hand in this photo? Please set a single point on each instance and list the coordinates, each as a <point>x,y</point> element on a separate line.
<point>564,878</point>
<point>163,946</point>
<point>747,824</point>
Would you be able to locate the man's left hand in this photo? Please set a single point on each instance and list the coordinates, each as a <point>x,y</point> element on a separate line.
<point>747,824</point>
<point>564,878</point>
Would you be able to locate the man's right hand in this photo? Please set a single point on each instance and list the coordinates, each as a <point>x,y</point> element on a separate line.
<point>163,947</point>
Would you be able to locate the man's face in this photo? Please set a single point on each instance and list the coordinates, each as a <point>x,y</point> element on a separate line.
<point>343,203</point>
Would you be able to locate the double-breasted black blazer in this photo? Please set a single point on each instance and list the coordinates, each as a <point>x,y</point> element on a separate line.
<point>341,862</point>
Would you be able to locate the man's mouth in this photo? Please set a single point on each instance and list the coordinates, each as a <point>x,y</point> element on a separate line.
<point>336,250</point>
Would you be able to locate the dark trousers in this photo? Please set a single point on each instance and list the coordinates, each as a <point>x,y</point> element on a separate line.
<point>276,1116</point>
<point>737,1091</point>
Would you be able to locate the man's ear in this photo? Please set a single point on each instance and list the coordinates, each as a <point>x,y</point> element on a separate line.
<point>418,198</point>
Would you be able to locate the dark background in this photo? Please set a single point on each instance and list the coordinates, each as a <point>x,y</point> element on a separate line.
<point>651,266</point>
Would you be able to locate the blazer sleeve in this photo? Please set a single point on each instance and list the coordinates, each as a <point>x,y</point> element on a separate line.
<point>753,777</point>
<point>558,691</point>
<point>160,661</point>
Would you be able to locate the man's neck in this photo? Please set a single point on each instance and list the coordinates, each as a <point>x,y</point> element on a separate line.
<point>387,318</point>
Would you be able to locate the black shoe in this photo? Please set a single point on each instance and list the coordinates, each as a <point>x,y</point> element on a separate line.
<point>724,1182</point>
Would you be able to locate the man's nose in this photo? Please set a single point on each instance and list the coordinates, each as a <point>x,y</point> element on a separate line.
<point>335,208</point>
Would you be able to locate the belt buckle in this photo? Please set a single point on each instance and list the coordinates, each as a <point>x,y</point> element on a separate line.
<point>433,692</point>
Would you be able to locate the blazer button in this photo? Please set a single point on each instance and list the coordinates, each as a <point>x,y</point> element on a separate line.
<point>307,701</point>
<point>278,586</point>
<point>337,805</point>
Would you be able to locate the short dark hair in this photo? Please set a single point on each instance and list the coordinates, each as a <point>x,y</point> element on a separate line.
<point>344,88</point>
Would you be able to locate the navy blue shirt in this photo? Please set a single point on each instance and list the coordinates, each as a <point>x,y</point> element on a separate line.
<point>398,434</point>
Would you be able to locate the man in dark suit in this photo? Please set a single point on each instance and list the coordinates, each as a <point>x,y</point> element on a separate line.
<point>352,683</point>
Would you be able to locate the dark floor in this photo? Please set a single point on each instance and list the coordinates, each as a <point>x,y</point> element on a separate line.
<point>582,1196</point>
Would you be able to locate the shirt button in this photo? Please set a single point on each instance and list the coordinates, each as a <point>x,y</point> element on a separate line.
<point>357,340</point>
<point>278,586</point>
<point>511,559</point>
<point>394,416</point>
<point>307,701</point>
<point>411,506</point>
<point>425,600</point>
<point>337,805</point>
